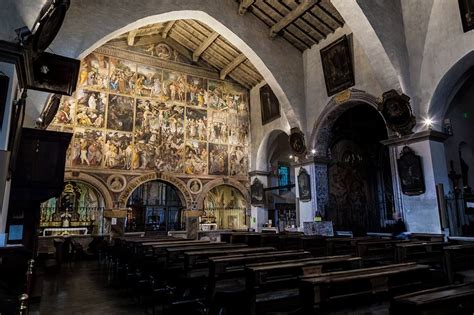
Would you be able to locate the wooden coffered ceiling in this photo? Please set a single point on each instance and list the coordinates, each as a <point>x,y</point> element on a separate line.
<point>198,43</point>
<point>301,22</point>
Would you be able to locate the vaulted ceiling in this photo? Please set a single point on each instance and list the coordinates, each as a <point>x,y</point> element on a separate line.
<point>303,23</point>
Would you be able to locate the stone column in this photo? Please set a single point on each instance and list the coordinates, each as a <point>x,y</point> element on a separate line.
<point>321,177</point>
<point>259,214</point>
<point>420,212</point>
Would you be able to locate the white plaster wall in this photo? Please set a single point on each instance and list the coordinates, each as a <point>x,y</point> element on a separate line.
<point>315,87</point>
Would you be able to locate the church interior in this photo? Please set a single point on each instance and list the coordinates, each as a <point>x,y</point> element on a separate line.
<point>237,157</point>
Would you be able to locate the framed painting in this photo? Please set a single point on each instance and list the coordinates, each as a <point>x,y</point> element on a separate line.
<point>269,105</point>
<point>256,193</point>
<point>466,9</point>
<point>304,185</point>
<point>336,59</point>
<point>411,172</point>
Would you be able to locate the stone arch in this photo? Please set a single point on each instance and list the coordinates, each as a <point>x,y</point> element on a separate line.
<point>222,181</point>
<point>340,103</point>
<point>91,23</point>
<point>448,86</point>
<point>95,183</point>
<point>262,153</point>
<point>180,186</point>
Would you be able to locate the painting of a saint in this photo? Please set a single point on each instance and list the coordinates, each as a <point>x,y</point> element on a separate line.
<point>218,159</point>
<point>270,106</point>
<point>120,113</point>
<point>91,108</point>
<point>196,124</point>
<point>122,76</point>
<point>86,148</point>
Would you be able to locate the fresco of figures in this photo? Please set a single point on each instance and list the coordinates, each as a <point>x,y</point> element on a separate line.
<point>196,124</point>
<point>90,109</point>
<point>148,81</point>
<point>195,158</point>
<point>118,150</point>
<point>173,87</point>
<point>238,161</point>
<point>86,147</point>
<point>218,131</point>
<point>122,76</point>
<point>197,94</point>
<point>94,72</point>
<point>218,159</point>
<point>135,117</point>
<point>120,113</point>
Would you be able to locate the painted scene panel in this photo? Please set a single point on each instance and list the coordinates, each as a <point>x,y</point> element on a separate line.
<point>87,148</point>
<point>218,159</point>
<point>91,108</point>
<point>148,81</point>
<point>196,124</point>
<point>195,158</point>
<point>218,130</point>
<point>238,161</point>
<point>118,150</point>
<point>173,87</point>
<point>120,113</point>
<point>122,76</point>
<point>197,94</point>
<point>66,111</point>
<point>94,72</point>
<point>216,95</point>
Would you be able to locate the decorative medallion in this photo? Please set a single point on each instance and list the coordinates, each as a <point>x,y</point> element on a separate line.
<point>343,96</point>
<point>163,51</point>
<point>396,110</point>
<point>195,186</point>
<point>304,185</point>
<point>411,172</point>
<point>116,183</point>
<point>256,193</point>
<point>297,142</point>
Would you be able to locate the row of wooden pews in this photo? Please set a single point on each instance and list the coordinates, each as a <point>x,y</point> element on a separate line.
<point>255,273</point>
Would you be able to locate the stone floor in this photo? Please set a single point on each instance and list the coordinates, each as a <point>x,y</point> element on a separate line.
<point>81,288</point>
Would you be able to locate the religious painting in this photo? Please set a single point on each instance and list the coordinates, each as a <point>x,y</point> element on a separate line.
<point>196,94</point>
<point>118,150</point>
<point>120,113</point>
<point>396,111</point>
<point>122,76</point>
<point>297,142</point>
<point>269,105</point>
<point>304,185</point>
<point>338,71</point>
<point>216,95</point>
<point>256,193</point>
<point>87,147</point>
<point>195,158</point>
<point>195,186</point>
<point>218,132</point>
<point>116,182</point>
<point>149,114</point>
<point>238,130</point>
<point>148,81</point>
<point>466,9</point>
<point>174,87</point>
<point>94,72</point>
<point>238,161</point>
<point>410,171</point>
<point>218,159</point>
<point>91,108</point>
<point>143,155</point>
<point>66,111</point>
<point>196,124</point>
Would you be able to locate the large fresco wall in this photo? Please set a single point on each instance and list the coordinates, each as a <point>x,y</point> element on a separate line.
<point>135,118</point>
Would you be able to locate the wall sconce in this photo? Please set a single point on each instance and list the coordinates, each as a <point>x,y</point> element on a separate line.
<point>428,122</point>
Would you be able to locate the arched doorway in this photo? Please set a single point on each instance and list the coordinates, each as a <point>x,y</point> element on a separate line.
<point>360,184</point>
<point>224,208</point>
<point>78,210</point>
<point>155,206</point>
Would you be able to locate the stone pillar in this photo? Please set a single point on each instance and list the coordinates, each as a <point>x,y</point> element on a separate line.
<point>321,177</point>
<point>306,210</point>
<point>420,212</point>
<point>259,213</point>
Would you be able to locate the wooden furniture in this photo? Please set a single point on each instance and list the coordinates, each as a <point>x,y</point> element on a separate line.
<point>378,251</point>
<point>430,253</point>
<point>459,262</point>
<point>452,299</point>
<point>344,245</point>
<point>328,288</point>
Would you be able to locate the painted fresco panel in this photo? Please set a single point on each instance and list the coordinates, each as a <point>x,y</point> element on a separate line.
<point>66,111</point>
<point>195,158</point>
<point>118,150</point>
<point>122,76</point>
<point>120,113</point>
<point>174,87</point>
<point>196,124</point>
<point>94,72</point>
<point>218,131</point>
<point>148,81</point>
<point>91,108</point>
<point>218,159</point>
<point>196,94</point>
<point>87,148</point>
<point>238,161</point>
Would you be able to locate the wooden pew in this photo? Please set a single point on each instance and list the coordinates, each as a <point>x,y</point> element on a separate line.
<point>430,253</point>
<point>452,299</point>
<point>290,241</point>
<point>459,262</point>
<point>196,262</point>
<point>427,237</point>
<point>275,285</point>
<point>316,245</point>
<point>378,251</point>
<point>329,288</point>
<point>344,245</point>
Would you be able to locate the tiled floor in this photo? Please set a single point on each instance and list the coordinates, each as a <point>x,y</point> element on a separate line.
<point>81,288</point>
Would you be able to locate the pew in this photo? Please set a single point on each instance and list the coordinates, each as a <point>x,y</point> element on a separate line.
<point>430,253</point>
<point>378,251</point>
<point>330,288</point>
<point>275,285</point>
<point>452,299</point>
<point>427,237</point>
<point>459,262</point>
<point>344,245</point>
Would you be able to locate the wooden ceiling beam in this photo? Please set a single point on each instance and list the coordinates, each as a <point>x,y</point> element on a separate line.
<point>131,37</point>
<point>244,5</point>
<point>294,14</point>
<point>204,45</point>
<point>231,66</point>
<point>167,28</point>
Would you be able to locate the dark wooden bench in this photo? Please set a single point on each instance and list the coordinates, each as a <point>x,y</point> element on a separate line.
<point>452,299</point>
<point>378,251</point>
<point>344,245</point>
<point>430,253</point>
<point>459,262</point>
<point>330,288</point>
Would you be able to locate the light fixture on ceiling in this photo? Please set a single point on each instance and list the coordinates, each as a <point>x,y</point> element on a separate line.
<point>428,122</point>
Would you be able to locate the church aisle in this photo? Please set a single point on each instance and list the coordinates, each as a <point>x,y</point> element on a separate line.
<point>81,288</point>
